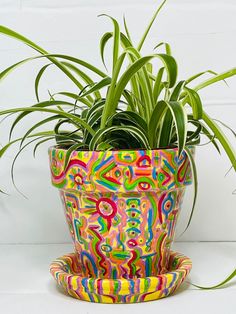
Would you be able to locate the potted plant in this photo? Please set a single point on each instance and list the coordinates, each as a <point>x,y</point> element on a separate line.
<point>122,165</point>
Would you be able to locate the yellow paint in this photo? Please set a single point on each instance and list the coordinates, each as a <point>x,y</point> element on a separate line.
<point>125,289</point>
<point>106,286</point>
<point>141,293</point>
<point>74,282</point>
<point>154,296</point>
<point>169,279</point>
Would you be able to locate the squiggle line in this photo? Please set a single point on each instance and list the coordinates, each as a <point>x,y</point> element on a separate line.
<point>131,263</point>
<point>72,163</point>
<point>96,248</point>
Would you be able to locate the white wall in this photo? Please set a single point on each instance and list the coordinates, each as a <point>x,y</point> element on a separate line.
<point>202,35</point>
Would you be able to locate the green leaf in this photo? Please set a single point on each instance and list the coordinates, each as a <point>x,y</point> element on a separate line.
<point>96,107</point>
<point>75,97</point>
<point>177,90</point>
<point>166,129</point>
<point>149,68</point>
<point>107,111</point>
<point>95,118</point>
<point>215,79</point>
<point>230,277</point>
<point>155,121</point>
<point>37,125</point>
<point>126,43</point>
<point>86,79</point>
<point>40,105</point>
<point>167,47</point>
<point>138,134</point>
<point>46,134</point>
<point>158,86</point>
<point>179,116</point>
<point>131,103</point>
<point>135,86</point>
<point>129,117</point>
<point>195,76</point>
<point>37,79</point>
<point>149,26</point>
<point>126,29</point>
<point>70,151</point>
<point>144,82</point>
<point>73,134</point>
<point>9,144</point>
<point>138,103</point>
<point>116,42</point>
<point>66,139</point>
<point>115,92</point>
<point>191,135</point>
<point>97,86</point>
<point>72,117</point>
<point>222,138</point>
<point>171,68</point>
<point>6,31</point>
<point>195,102</point>
<point>195,184</point>
<point>205,131</point>
<point>105,38</point>
<point>226,126</point>
<point>5,148</point>
<point>104,146</point>
<point>40,143</point>
<point>50,56</point>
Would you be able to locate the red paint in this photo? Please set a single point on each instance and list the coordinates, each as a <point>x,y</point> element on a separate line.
<point>142,159</point>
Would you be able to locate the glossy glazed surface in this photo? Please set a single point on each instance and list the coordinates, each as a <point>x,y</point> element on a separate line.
<point>121,208</point>
<point>67,272</point>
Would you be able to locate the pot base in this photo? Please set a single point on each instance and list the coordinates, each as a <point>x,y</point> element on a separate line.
<point>66,271</point>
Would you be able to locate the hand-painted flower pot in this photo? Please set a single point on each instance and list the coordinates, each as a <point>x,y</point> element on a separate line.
<point>121,208</point>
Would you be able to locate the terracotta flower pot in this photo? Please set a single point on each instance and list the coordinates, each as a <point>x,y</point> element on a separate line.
<point>121,208</point>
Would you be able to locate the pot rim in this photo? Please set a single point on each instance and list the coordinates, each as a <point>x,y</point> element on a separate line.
<point>139,170</point>
<point>168,148</point>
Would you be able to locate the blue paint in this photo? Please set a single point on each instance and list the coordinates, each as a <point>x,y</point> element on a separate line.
<point>90,258</point>
<point>150,221</point>
<point>102,163</point>
<point>132,286</point>
<point>169,166</point>
<point>154,173</point>
<point>134,219</point>
<point>171,185</point>
<point>120,242</point>
<point>133,210</point>
<point>133,229</point>
<point>106,185</point>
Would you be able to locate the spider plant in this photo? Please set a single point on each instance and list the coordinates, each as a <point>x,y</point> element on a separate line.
<point>135,105</point>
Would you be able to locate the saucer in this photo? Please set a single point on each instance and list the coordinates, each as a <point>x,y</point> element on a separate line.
<point>66,271</point>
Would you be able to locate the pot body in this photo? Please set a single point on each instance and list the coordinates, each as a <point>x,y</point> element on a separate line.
<point>121,207</point>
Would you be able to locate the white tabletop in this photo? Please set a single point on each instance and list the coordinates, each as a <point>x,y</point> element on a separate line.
<point>28,288</point>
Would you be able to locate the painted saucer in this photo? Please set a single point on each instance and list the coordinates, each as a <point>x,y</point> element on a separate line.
<point>66,271</point>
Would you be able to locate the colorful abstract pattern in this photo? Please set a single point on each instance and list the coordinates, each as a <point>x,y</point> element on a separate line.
<point>67,272</point>
<point>120,171</point>
<point>121,208</point>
